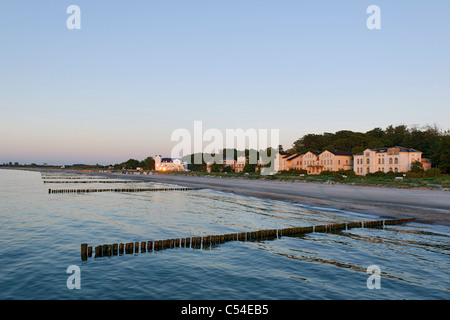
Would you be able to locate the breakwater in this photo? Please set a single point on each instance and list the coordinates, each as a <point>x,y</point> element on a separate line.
<point>204,242</point>
<point>50,191</point>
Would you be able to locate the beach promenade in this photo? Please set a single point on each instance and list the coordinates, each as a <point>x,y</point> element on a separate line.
<point>428,206</point>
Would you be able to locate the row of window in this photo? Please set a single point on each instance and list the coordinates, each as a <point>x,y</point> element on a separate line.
<point>361,170</point>
<point>380,161</point>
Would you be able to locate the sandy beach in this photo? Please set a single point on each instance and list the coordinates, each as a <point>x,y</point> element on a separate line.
<point>427,206</point>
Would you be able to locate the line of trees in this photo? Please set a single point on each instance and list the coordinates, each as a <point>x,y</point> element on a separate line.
<point>433,142</point>
<point>131,164</point>
<point>225,153</point>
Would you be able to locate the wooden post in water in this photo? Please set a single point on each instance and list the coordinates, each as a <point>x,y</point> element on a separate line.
<point>136,247</point>
<point>129,248</point>
<point>205,242</point>
<point>106,250</point>
<point>84,251</point>
<point>99,251</point>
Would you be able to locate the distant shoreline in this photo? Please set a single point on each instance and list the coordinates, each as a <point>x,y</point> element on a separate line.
<point>428,206</point>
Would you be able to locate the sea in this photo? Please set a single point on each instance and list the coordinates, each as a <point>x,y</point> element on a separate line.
<point>41,235</point>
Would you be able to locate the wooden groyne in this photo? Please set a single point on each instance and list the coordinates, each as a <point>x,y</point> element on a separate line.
<point>119,190</point>
<point>91,181</point>
<point>73,178</point>
<point>204,242</point>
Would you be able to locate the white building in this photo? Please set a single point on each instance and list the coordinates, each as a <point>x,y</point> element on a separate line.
<point>169,164</point>
<point>395,159</point>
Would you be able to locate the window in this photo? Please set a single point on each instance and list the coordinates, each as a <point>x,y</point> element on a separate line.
<point>368,161</point>
<point>396,169</point>
<point>396,161</point>
<point>379,160</point>
<point>390,162</point>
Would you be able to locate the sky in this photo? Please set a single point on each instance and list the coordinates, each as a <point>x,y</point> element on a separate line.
<point>135,71</point>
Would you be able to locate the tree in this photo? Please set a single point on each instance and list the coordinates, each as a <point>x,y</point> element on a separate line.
<point>216,167</point>
<point>250,168</point>
<point>131,164</point>
<point>416,167</point>
<point>444,154</point>
<point>147,164</point>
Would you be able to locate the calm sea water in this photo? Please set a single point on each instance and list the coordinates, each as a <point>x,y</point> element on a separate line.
<point>41,234</point>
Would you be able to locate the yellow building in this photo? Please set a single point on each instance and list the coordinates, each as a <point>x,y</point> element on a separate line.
<point>311,162</point>
<point>316,162</point>
<point>289,161</point>
<point>336,160</point>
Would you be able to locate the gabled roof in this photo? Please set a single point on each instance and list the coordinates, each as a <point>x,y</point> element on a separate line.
<point>314,152</point>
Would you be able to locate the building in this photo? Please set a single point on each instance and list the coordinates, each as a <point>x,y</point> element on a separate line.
<point>311,162</point>
<point>289,161</point>
<point>426,164</point>
<point>229,162</point>
<point>395,159</point>
<point>317,162</point>
<point>169,164</point>
<point>335,160</point>
<point>240,164</point>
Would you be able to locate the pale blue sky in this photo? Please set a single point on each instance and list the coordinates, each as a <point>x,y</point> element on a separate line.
<point>138,70</point>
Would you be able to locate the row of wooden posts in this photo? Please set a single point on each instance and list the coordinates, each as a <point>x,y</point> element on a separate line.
<point>119,190</point>
<point>92,181</point>
<point>108,250</point>
<point>72,178</point>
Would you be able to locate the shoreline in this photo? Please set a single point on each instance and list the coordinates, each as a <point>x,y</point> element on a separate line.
<point>427,206</point>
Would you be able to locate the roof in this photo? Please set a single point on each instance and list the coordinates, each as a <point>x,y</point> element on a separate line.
<point>293,156</point>
<point>314,152</point>
<point>285,154</point>
<point>401,149</point>
<point>166,160</point>
<point>340,153</point>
